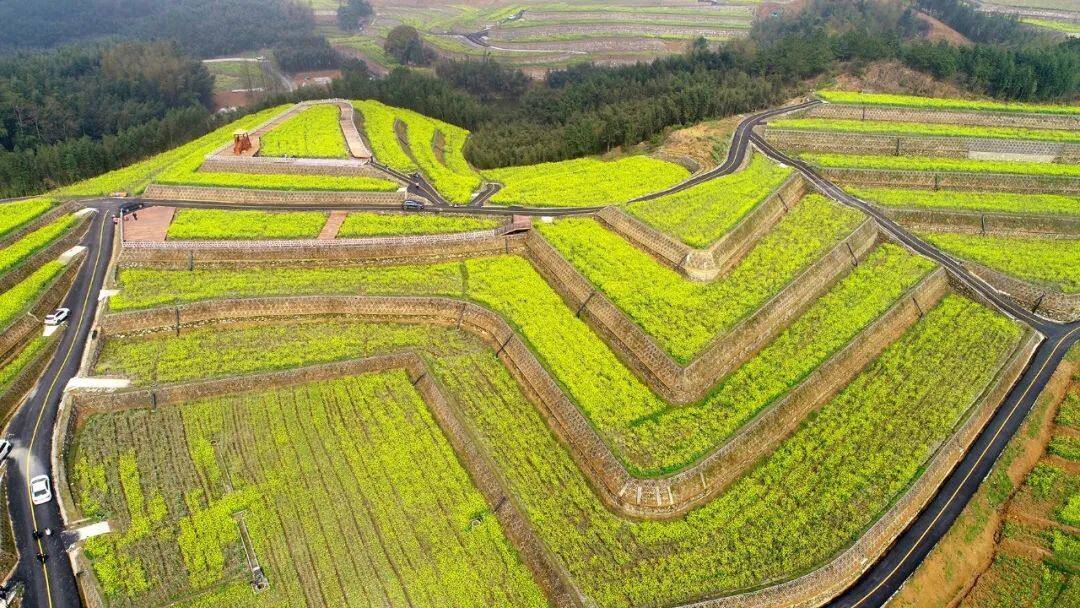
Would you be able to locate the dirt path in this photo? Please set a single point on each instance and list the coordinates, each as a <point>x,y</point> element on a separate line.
<point>333,224</point>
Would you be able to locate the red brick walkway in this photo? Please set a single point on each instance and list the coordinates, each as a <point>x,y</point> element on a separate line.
<point>152,225</point>
<point>333,224</point>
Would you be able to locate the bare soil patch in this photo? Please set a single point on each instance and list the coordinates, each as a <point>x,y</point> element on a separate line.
<point>894,77</point>
<point>940,31</point>
<point>704,142</point>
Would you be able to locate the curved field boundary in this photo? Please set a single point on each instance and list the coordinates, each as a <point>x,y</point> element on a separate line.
<point>554,580</point>
<point>49,253</point>
<point>656,498</point>
<point>977,222</point>
<point>800,140</point>
<point>1039,300</point>
<point>417,248</point>
<point>252,196</point>
<point>715,260</point>
<point>640,352</point>
<point>962,117</point>
<point>953,180</point>
<point>40,221</point>
<point>25,380</point>
<point>21,329</point>
<point>809,590</point>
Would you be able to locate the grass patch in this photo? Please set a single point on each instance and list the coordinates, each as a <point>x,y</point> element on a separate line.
<point>216,224</point>
<point>17,214</point>
<point>1054,263</point>
<point>368,223</point>
<point>312,133</point>
<point>936,103</point>
<point>584,182</point>
<point>993,202</point>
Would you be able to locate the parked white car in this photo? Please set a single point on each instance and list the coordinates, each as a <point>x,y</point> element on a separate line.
<point>40,489</point>
<point>57,316</point>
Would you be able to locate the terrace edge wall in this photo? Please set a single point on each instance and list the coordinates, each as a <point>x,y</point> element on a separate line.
<point>252,196</point>
<point>23,327</point>
<point>983,223</point>
<point>48,253</point>
<point>937,116</point>
<point>953,180</point>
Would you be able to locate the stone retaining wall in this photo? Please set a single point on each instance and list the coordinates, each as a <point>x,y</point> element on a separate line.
<point>950,117</point>
<point>1040,300</point>
<point>640,352</point>
<point>25,380</point>
<point>825,583</point>
<point>19,331</point>
<point>654,498</point>
<point>49,253</point>
<point>552,578</point>
<point>713,261</point>
<point>974,222</point>
<point>190,255</point>
<point>246,196</point>
<point>40,221</point>
<point>291,166</point>
<point>946,180</point>
<point>798,141</point>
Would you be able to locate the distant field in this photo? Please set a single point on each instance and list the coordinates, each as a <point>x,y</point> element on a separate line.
<point>1061,5</point>
<point>1062,26</point>
<point>235,75</point>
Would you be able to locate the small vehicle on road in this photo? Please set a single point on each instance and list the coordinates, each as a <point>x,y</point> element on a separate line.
<point>40,490</point>
<point>5,448</point>
<point>412,205</point>
<point>57,316</point>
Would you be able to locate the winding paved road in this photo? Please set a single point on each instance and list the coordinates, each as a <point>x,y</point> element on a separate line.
<point>53,585</point>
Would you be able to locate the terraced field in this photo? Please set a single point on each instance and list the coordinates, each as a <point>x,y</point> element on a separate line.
<point>313,133</point>
<point>1052,263</point>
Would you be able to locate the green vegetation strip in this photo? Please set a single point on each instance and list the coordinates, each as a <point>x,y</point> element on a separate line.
<point>367,223</point>
<point>1061,26</point>
<point>17,214</point>
<point>925,129</point>
<point>1054,263</point>
<point>215,224</point>
<point>584,182</point>
<point>312,133</point>
<point>304,464</point>
<point>683,315</point>
<point>15,366</point>
<point>915,163</point>
<point>133,179</point>
<point>840,471</point>
<point>703,213</point>
<point>650,435</point>
<point>935,103</point>
<point>994,202</point>
<point>18,299</point>
<point>447,168</point>
<point>18,252</point>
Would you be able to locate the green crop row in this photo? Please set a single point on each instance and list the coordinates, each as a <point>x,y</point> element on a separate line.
<point>16,300</point>
<point>924,129</point>
<point>19,362</point>
<point>17,214</point>
<point>934,103</point>
<point>312,133</point>
<point>703,213</point>
<point>1054,263</point>
<point>134,178</point>
<point>1000,202</point>
<point>917,163</point>
<point>446,166</point>
<point>812,497</point>
<point>640,427</point>
<point>12,256</point>
<point>1067,27</point>
<point>584,182</point>
<point>335,515</point>
<point>362,224</point>
<point>682,315</point>
<point>216,224</point>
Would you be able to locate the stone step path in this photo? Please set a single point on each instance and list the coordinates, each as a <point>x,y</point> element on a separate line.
<point>333,224</point>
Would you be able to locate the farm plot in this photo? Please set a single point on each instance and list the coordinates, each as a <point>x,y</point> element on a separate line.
<point>1052,263</point>
<point>911,101</point>
<point>368,224</point>
<point>925,129</point>
<point>1065,27</point>
<point>683,315</point>
<point>334,482</point>
<point>240,75</point>
<point>15,365</point>
<point>15,254</point>
<point>703,213</point>
<point>433,146</point>
<point>956,200</point>
<point>915,163</point>
<point>584,182</point>
<point>134,178</point>
<point>313,133</point>
<point>16,300</point>
<point>215,224</point>
<point>579,30</point>
<point>17,214</point>
<point>645,431</point>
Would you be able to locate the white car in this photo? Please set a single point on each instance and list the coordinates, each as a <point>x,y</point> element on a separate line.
<point>58,316</point>
<point>5,448</point>
<point>40,490</point>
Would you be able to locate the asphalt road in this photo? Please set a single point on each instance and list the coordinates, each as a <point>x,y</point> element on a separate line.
<point>53,583</point>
